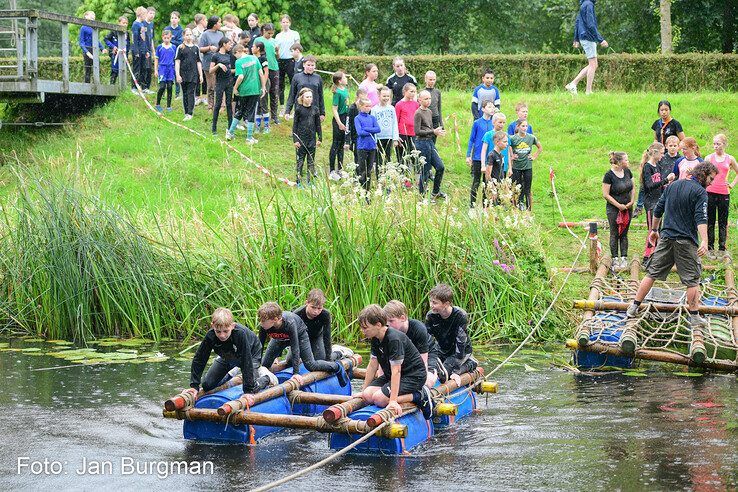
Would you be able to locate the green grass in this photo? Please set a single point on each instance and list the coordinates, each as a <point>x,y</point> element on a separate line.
<point>210,205</point>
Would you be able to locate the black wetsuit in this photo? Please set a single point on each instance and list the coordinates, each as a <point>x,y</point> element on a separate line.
<point>453,353</point>
<point>319,332</point>
<point>242,349</point>
<point>293,334</point>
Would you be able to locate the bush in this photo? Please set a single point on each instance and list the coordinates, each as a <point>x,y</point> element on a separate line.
<point>545,73</point>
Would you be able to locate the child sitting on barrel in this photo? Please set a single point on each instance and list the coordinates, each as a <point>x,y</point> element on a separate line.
<point>235,346</point>
<point>398,319</point>
<point>318,321</point>
<point>404,373</point>
<point>286,329</point>
<point>448,325</point>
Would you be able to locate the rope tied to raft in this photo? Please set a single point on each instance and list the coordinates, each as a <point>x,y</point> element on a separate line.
<point>324,461</point>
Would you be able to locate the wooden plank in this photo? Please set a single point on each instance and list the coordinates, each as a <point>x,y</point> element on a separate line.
<point>52,16</point>
<point>653,306</point>
<point>65,57</point>
<point>95,59</point>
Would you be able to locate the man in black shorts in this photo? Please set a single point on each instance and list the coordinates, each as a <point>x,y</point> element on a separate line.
<point>404,375</point>
<point>685,204</point>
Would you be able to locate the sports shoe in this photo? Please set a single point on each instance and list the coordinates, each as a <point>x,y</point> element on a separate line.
<point>334,176</point>
<point>187,117</point>
<point>134,92</point>
<point>265,131</point>
<point>440,195</point>
<point>148,91</point>
<point>229,135</point>
<point>637,212</point>
<point>343,174</point>
<point>241,127</point>
<point>159,109</point>
<point>426,403</point>
<point>632,311</point>
<point>169,110</point>
<point>252,141</point>
<point>571,88</point>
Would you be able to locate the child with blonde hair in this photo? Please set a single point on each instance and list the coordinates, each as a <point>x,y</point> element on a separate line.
<point>304,129</point>
<point>718,193</point>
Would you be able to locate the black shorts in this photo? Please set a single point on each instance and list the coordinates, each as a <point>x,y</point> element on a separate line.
<point>407,385</point>
<point>524,177</point>
<point>246,108</point>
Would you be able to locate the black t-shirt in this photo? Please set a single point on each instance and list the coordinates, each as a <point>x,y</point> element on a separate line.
<point>662,132</point>
<point>495,160</point>
<point>222,78</point>
<point>620,188</point>
<point>683,206</point>
<point>653,184</point>
<point>291,330</point>
<point>242,346</point>
<point>397,83</point>
<point>318,327</point>
<point>189,57</point>
<point>418,334</point>
<point>396,348</point>
<point>450,333</point>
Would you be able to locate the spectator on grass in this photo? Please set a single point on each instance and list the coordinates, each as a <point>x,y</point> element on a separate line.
<point>208,47</point>
<point>286,38</point>
<point>666,126</point>
<point>85,44</point>
<point>483,92</point>
<point>396,82</point>
<point>587,36</point>
<point>718,194</point>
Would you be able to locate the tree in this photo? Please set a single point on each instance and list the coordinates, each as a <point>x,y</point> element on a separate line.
<point>665,15</point>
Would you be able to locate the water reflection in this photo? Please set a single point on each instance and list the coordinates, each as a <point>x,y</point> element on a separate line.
<point>547,429</point>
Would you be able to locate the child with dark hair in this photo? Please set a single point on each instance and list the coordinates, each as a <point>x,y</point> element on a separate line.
<point>353,112</point>
<point>522,157</point>
<point>339,122</point>
<point>250,85</point>
<point>474,149</point>
<point>209,46</point>
<point>304,129</point>
<point>619,194</point>
<point>666,126</point>
<point>653,182</point>
<point>366,145</point>
<point>299,60</point>
<point>307,79</point>
<point>220,65</point>
<point>177,40</point>
<point>118,57</point>
<point>262,111</point>
<point>188,70</point>
<point>405,110</point>
<point>318,321</point>
<point>483,92</point>
<point>397,81</point>
<point>141,50</point>
<point>270,51</point>
<point>164,69</point>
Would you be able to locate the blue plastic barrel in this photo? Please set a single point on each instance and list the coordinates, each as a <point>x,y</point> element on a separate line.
<point>465,401</point>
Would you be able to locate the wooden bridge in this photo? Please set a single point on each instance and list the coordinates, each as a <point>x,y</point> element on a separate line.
<point>27,77</point>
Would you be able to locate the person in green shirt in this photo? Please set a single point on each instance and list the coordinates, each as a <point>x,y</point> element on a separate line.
<point>271,52</point>
<point>249,87</point>
<point>340,120</point>
<point>522,157</point>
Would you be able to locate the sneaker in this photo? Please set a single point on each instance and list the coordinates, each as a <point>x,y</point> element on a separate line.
<point>440,195</point>
<point>159,108</point>
<point>637,212</point>
<point>241,127</point>
<point>169,110</point>
<point>265,131</point>
<point>632,311</point>
<point>187,117</point>
<point>343,174</point>
<point>334,176</point>
<point>134,92</point>
<point>571,88</point>
<point>229,135</point>
<point>426,403</point>
<point>178,97</point>
<point>252,141</point>
<point>148,91</point>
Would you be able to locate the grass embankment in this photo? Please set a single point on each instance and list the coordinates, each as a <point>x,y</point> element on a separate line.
<point>263,242</point>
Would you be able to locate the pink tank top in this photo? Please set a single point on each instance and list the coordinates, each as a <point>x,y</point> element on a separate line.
<point>720,185</point>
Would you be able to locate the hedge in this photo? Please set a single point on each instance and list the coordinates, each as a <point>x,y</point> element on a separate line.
<point>545,73</point>
<point>529,73</point>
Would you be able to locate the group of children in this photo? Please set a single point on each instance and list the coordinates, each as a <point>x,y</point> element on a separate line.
<point>408,356</point>
<point>661,165</point>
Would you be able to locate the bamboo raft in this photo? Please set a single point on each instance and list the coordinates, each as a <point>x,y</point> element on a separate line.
<point>661,330</point>
<point>320,404</point>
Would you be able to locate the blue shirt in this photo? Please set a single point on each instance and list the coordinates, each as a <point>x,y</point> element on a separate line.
<point>139,33</point>
<point>177,35</point>
<point>480,128</point>
<point>165,55</point>
<point>514,126</point>
<point>366,126</point>
<point>585,26</point>
<point>85,39</point>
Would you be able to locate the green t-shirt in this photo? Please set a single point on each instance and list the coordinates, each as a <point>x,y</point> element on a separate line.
<point>340,99</point>
<point>250,68</point>
<point>270,52</point>
<point>522,146</point>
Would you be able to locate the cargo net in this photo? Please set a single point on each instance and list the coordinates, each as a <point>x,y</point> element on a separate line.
<point>663,331</point>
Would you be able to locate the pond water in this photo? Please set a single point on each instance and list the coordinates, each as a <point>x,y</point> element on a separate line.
<point>547,429</point>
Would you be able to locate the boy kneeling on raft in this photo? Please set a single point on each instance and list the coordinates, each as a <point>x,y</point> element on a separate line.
<point>448,325</point>
<point>235,346</point>
<point>286,329</point>
<point>404,375</point>
<point>318,321</point>
<point>397,319</point>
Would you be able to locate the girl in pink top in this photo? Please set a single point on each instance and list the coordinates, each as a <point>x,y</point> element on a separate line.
<point>369,84</point>
<point>405,110</point>
<point>718,193</point>
<point>683,167</point>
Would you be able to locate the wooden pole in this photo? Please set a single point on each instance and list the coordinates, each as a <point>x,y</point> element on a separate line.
<point>341,410</point>
<point>629,339</point>
<point>248,400</point>
<point>654,355</point>
<point>594,294</point>
<point>594,256</point>
<point>359,373</point>
<point>317,398</point>
<point>732,299</point>
<point>288,421</point>
<point>654,306</point>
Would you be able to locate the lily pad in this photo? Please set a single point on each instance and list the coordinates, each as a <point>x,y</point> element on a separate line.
<point>127,351</point>
<point>33,339</point>
<point>635,374</point>
<point>31,350</point>
<point>4,345</point>
<point>60,342</point>
<point>529,368</point>
<point>157,359</point>
<point>690,374</point>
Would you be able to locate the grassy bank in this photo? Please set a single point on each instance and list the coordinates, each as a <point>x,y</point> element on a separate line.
<point>252,238</point>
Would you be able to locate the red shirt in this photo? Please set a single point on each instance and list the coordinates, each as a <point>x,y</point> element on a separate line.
<point>406,116</point>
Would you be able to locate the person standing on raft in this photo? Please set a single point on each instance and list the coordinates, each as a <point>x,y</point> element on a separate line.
<point>448,325</point>
<point>404,373</point>
<point>286,329</point>
<point>685,204</point>
<point>236,346</point>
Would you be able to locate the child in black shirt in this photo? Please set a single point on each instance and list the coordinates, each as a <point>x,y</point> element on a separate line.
<point>404,375</point>
<point>448,325</point>
<point>397,318</point>
<point>220,65</point>
<point>305,127</point>
<point>318,321</point>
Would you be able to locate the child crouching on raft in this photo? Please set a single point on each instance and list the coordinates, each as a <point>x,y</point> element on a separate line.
<point>404,375</point>
<point>235,346</point>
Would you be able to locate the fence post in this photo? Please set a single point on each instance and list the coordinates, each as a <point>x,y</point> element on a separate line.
<point>32,52</point>
<point>95,59</point>
<point>65,57</point>
<point>19,47</point>
<point>122,59</point>
<point>594,257</point>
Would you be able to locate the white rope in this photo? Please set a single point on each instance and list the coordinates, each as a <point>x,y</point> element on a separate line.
<point>552,176</point>
<point>322,462</point>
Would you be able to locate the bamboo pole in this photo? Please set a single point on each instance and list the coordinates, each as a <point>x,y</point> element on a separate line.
<point>629,339</point>
<point>317,398</point>
<point>359,373</point>
<point>249,400</point>
<point>594,256</point>
<point>289,421</point>
<point>341,410</point>
<point>655,306</point>
<point>621,269</point>
<point>594,294</point>
<point>654,355</point>
<point>732,299</point>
